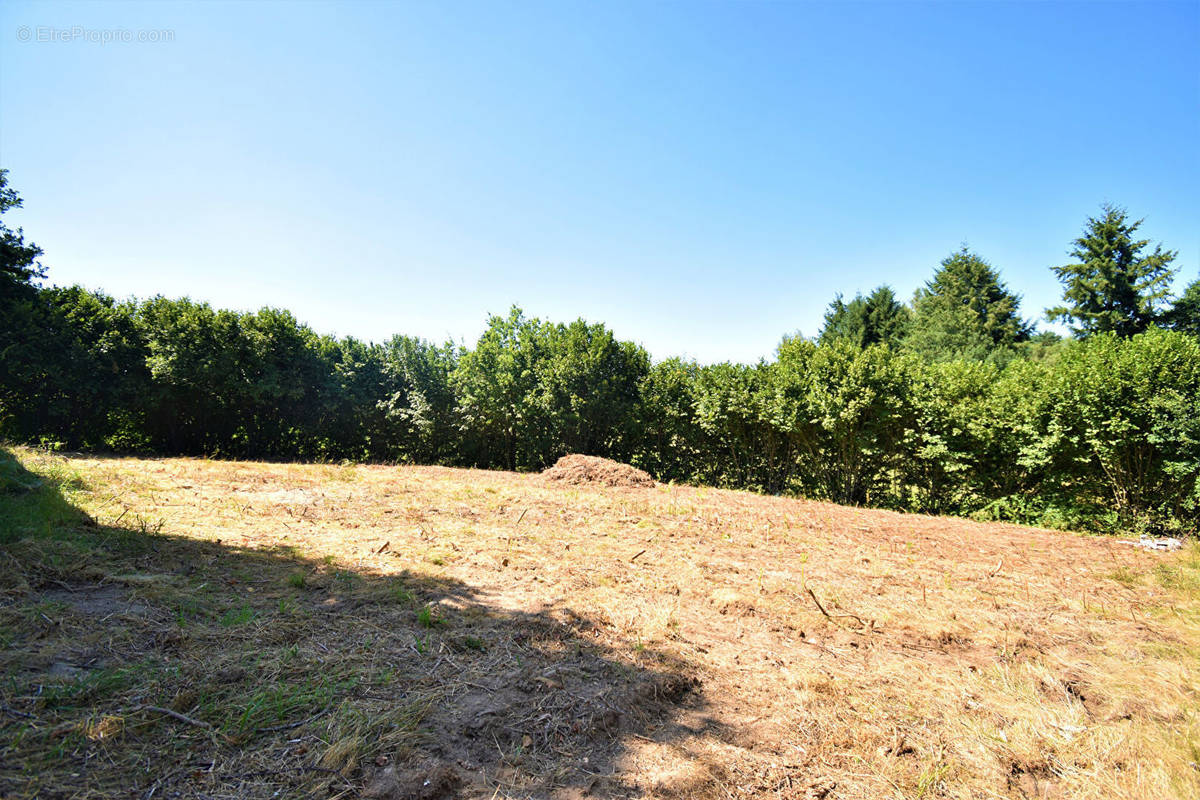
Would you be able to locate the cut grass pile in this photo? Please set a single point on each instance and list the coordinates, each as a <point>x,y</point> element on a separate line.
<point>190,628</point>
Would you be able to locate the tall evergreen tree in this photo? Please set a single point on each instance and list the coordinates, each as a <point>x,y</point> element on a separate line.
<point>1111,285</point>
<point>965,311</point>
<point>864,321</point>
<point>844,320</point>
<point>1185,312</point>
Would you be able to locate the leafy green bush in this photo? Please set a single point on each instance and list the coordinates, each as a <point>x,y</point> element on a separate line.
<point>1122,429</point>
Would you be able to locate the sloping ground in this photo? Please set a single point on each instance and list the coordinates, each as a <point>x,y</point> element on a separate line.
<point>256,630</point>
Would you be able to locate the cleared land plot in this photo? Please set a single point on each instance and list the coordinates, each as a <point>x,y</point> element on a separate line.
<point>242,630</point>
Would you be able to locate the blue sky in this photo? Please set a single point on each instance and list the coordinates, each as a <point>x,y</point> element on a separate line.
<point>703,177</point>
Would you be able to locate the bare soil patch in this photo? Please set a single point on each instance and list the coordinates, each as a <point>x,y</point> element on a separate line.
<point>98,601</point>
<point>580,470</point>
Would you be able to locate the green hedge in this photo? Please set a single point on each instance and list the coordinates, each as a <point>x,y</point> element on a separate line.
<point>1102,433</point>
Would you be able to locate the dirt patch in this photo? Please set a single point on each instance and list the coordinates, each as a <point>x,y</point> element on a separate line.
<point>425,783</point>
<point>282,497</point>
<point>96,601</point>
<point>579,470</point>
<point>63,671</point>
<point>730,602</point>
<point>1032,780</point>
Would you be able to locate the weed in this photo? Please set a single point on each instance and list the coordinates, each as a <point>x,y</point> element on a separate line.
<point>1125,576</point>
<point>283,702</point>
<point>928,782</point>
<point>1183,575</point>
<point>90,687</point>
<point>344,580</point>
<point>239,615</point>
<point>188,610</point>
<point>430,617</point>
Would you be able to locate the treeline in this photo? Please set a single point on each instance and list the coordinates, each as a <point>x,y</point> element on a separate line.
<point>948,404</point>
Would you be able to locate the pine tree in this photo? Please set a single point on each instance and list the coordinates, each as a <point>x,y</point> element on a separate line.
<point>1185,312</point>
<point>887,317</point>
<point>965,311</point>
<point>877,318</point>
<point>1111,286</point>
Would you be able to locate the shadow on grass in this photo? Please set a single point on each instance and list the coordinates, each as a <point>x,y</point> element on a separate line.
<point>139,664</point>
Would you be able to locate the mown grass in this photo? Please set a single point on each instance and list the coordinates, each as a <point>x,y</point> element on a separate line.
<point>143,625</point>
<point>195,629</point>
<point>1183,574</point>
<point>38,505</point>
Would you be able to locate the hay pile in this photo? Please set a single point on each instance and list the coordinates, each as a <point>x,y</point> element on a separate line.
<point>577,470</point>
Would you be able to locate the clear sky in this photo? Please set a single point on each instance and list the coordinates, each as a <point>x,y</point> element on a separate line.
<point>703,177</point>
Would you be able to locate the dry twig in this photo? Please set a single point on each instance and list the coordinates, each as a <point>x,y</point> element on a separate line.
<point>172,714</point>
<point>835,617</point>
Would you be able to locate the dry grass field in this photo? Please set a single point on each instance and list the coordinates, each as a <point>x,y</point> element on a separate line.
<point>183,628</point>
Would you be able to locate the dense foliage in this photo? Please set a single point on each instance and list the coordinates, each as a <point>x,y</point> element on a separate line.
<point>945,406</point>
<point>1112,286</point>
<point>966,312</point>
<point>874,319</point>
